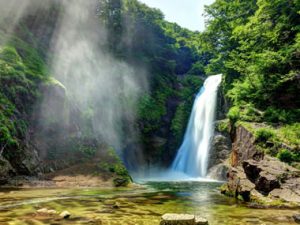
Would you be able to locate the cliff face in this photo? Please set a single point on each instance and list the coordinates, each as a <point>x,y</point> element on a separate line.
<point>221,144</point>
<point>244,147</point>
<point>238,155</point>
<point>256,177</point>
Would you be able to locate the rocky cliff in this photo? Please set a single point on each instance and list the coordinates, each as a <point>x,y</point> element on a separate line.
<point>258,178</point>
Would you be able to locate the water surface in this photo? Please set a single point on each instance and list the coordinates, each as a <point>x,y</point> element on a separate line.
<point>142,205</point>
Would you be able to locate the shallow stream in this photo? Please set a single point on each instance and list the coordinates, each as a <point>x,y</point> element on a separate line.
<point>143,205</point>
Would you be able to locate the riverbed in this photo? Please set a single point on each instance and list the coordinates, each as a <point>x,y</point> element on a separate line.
<point>143,204</point>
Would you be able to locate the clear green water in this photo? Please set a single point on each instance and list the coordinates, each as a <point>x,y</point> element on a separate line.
<point>143,205</point>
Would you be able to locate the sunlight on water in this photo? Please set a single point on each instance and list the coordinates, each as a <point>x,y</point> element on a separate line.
<point>169,176</point>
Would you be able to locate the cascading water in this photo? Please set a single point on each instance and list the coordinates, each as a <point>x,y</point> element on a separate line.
<point>192,156</point>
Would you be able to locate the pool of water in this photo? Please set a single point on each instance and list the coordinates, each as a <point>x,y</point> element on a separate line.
<point>142,205</point>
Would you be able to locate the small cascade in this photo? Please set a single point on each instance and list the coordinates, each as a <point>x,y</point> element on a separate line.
<point>192,156</point>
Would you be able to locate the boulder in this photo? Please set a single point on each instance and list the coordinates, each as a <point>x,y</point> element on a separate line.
<point>177,219</point>
<point>238,185</point>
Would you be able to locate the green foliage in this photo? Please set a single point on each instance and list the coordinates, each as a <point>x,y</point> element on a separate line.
<point>179,121</point>
<point>21,70</point>
<point>290,134</point>
<point>287,156</point>
<point>87,150</point>
<point>223,126</point>
<point>255,44</point>
<point>150,108</point>
<point>113,164</point>
<point>119,169</point>
<point>275,115</point>
<point>190,86</point>
<point>264,134</point>
<point>234,114</point>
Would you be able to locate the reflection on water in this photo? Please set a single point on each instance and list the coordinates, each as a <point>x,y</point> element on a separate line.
<point>143,205</point>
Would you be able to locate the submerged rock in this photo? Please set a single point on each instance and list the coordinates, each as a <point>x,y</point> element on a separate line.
<point>182,219</point>
<point>296,218</point>
<point>116,205</point>
<point>47,211</point>
<point>200,221</point>
<point>43,210</point>
<point>52,212</point>
<point>65,215</point>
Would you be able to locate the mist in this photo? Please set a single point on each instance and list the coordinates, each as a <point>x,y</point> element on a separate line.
<point>98,85</point>
<point>14,10</point>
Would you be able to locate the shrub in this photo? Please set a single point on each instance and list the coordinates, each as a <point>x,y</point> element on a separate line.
<point>234,114</point>
<point>179,121</point>
<point>264,134</point>
<point>285,155</point>
<point>274,115</point>
<point>291,134</point>
<point>223,126</point>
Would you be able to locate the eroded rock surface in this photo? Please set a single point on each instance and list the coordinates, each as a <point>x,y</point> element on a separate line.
<point>244,148</point>
<point>264,181</point>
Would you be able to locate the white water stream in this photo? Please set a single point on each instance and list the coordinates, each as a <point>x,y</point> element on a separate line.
<point>193,154</point>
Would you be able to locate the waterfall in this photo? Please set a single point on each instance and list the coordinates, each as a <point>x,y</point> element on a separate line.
<point>192,156</point>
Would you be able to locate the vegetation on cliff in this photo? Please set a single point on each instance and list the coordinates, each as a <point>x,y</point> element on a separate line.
<point>255,44</point>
